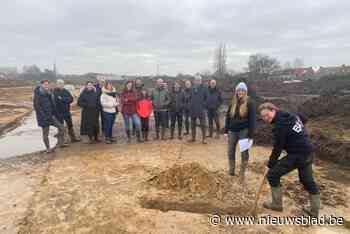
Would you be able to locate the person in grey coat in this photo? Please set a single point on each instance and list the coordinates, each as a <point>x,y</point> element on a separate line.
<point>198,105</point>
<point>177,104</point>
<point>213,104</point>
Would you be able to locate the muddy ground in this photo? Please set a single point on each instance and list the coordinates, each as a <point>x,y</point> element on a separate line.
<point>155,187</point>
<point>15,104</point>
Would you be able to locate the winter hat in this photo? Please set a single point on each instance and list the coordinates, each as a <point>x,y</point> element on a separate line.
<point>242,86</point>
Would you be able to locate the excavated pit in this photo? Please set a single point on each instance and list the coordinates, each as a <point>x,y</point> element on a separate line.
<point>192,188</point>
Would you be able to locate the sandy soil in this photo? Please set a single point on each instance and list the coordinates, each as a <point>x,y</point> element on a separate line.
<point>130,188</point>
<point>154,187</point>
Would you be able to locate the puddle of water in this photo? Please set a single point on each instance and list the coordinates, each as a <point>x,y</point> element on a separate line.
<point>27,138</point>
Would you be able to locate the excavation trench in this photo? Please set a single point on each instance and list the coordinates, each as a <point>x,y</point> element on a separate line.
<point>192,188</point>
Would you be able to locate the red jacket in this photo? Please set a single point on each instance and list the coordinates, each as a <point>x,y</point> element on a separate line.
<point>129,102</point>
<point>144,108</point>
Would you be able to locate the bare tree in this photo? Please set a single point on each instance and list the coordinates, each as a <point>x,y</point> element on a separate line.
<point>298,63</point>
<point>220,61</point>
<point>262,64</point>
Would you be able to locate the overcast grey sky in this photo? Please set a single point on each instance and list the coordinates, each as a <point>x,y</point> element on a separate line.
<point>133,36</point>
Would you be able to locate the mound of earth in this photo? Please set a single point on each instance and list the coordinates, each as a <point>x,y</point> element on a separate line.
<point>328,105</point>
<point>192,188</point>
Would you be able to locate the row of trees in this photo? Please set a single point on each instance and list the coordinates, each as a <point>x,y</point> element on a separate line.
<point>257,63</point>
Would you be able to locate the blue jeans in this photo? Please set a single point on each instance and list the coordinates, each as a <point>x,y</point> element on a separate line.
<point>135,120</point>
<point>108,121</point>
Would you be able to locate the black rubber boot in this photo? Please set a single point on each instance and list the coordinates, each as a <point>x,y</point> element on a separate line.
<point>276,202</point>
<point>231,167</point>
<point>157,134</point>
<point>203,136</point>
<point>146,135</point>
<point>138,136</point>
<point>211,130</point>
<point>162,134</point>
<point>128,136</point>
<point>172,130</point>
<point>193,133</point>
<point>179,132</point>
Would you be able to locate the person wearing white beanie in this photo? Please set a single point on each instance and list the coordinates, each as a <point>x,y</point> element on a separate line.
<point>239,124</point>
<point>242,86</point>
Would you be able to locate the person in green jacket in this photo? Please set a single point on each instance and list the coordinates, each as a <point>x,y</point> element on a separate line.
<point>161,100</point>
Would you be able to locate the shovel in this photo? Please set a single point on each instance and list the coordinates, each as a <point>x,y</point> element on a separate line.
<point>258,193</point>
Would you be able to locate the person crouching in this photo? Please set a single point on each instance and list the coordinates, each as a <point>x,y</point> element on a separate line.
<point>289,134</point>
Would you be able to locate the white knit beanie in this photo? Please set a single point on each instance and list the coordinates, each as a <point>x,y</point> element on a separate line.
<point>242,86</point>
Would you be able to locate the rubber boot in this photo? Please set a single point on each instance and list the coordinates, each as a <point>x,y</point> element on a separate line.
<point>145,137</point>
<point>172,130</point>
<point>113,139</point>
<point>276,202</point>
<point>128,136</point>
<point>203,136</point>
<point>313,211</point>
<point>187,130</point>
<point>72,136</point>
<point>211,132</point>
<point>231,169</point>
<point>244,164</point>
<point>157,134</point>
<point>138,136</point>
<point>108,140</point>
<point>97,140</point>
<point>193,133</point>
<point>60,141</point>
<point>217,136</point>
<point>47,145</point>
<point>162,134</point>
<point>90,140</point>
<point>179,132</point>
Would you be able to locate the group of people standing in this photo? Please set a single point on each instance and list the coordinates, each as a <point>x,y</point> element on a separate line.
<point>187,103</point>
<point>191,103</point>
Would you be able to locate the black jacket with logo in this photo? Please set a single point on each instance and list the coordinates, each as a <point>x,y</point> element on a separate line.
<point>289,134</point>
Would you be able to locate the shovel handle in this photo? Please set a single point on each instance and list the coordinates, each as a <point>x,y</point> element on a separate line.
<point>258,193</point>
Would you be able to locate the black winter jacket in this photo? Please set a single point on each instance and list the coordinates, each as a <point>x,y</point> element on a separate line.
<point>187,94</point>
<point>289,134</point>
<point>177,101</point>
<point>44,106</point>
<point>89,102</point>
<point>214,99</point>
<point>63,99</point>
<point>237,124</point>
<point>198,101</point>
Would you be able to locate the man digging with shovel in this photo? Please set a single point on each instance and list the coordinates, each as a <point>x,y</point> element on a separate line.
<point>290,135</point>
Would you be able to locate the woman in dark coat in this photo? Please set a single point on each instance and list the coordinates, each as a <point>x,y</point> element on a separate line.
<point>240,124</point>
<point>89,102</point>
